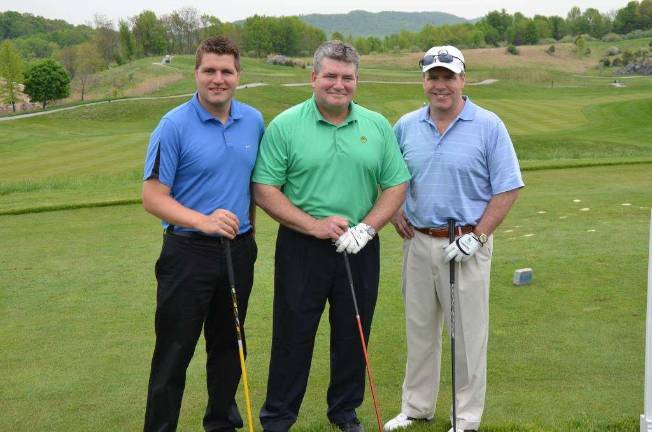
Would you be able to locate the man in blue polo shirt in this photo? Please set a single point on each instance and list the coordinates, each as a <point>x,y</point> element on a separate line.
<point>463,167</point>
<point>197,181</point>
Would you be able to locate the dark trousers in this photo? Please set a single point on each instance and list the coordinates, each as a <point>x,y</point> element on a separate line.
<point>308,273</point>
<point>193,292</point>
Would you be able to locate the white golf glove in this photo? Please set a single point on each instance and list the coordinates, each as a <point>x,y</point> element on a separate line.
<point>355,238</point>
<point>462,249</point>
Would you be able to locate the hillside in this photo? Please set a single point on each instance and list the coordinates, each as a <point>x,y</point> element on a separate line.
<point>363,23</point>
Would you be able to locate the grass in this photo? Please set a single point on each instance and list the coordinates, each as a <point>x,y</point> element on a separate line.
<point>566,353</point>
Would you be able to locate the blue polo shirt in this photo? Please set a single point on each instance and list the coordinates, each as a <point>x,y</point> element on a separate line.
<point>455,174</point>
<point>206,164</point>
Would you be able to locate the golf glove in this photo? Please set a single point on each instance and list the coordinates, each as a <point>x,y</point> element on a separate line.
<point>355,238</point>
<point>462,249</point>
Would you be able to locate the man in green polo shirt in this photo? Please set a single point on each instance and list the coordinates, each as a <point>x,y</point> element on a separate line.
<point>331,173</point>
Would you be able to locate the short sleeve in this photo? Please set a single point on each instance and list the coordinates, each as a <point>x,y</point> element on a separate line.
<point>504,170</point>
<point>163,153</point>
<point>394,169</point>
<point>272,162</point>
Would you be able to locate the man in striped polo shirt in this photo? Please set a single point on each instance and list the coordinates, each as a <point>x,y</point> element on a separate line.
<point>463,167</point>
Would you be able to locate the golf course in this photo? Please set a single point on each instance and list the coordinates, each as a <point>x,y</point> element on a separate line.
<point>566,352</point>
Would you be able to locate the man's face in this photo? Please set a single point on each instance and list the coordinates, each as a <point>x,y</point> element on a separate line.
<point>443,88</point>
<point>335,84</point>
<point>216,79</point>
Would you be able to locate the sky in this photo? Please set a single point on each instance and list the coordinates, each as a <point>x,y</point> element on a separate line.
<point>82,11</point>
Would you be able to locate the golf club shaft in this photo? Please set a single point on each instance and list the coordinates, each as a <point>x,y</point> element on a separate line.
<point>372,385</point>
<point>451,239</point>
<point>236,316</point>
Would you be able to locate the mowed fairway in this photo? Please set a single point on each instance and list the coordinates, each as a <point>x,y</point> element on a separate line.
<point>566,353</point>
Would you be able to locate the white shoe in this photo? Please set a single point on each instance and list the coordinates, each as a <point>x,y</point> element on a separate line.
<point>402,421</point>
<point>461,430</point>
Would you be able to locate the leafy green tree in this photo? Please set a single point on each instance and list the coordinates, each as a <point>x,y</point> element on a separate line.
<point>35,47</point>
<point>531,36</point>
<point>127,42</point>
<point>337,36</point>
<point>557,27</point>
<point>626,18</point>
<point>257,36</point>
<point>499,20</point>
<point>11,70</point>
<point>543,26</point>
<point>149,33</point>
<point>46,81</point>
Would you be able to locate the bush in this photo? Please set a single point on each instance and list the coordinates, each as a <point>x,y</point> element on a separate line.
<point>612,37</point>
<point>612,51</point>
<point>638,34</point>
<point>546,41</point>
<point>605,61</point>
<point>651,42</point>
<point>567,39</point>
<point>587,51</point>
<point>617,62</point>
<point>512,50</point>
<point>551,50</point>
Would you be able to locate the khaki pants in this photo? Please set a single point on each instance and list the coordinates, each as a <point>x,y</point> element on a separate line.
<point>426,295</point>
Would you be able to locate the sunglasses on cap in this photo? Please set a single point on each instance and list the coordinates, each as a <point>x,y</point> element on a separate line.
<point>443,58</point>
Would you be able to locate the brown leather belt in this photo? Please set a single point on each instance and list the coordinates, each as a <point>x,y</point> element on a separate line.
<point>443,232</point>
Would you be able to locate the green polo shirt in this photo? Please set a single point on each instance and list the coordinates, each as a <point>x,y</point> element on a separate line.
<point>327,170</point>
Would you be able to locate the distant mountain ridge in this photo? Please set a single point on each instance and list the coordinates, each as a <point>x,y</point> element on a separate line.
<point>363,23</point>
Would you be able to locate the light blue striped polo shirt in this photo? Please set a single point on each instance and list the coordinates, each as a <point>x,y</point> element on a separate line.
<point>455,174</point>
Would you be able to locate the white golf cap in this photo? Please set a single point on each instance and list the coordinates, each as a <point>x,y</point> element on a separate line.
<point>446,56</point>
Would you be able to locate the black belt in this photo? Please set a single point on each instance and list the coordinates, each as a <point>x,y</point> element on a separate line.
<point>197,235</point>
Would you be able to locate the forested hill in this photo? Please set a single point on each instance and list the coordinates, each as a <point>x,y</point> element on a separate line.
<point>362,23</point>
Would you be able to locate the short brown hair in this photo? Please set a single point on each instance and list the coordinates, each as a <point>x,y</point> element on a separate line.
<point>219,45</point>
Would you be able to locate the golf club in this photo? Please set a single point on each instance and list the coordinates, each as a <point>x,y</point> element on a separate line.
<point>372,386</point>
<point>236,316</point>
<point>451,239</point>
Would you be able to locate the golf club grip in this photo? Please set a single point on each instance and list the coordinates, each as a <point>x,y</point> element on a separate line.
<point>229,261</point>
<point>451,239</point>
<point>349,275</point>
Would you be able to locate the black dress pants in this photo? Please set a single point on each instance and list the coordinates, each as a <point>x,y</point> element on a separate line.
<point>193,292</point>
<point>308,273</point>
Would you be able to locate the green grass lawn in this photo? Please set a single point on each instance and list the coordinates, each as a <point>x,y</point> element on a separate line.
<point>566,353</point>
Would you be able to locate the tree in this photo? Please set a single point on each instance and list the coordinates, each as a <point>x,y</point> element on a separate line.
<point>127,48</point>
<point>11,69</point>
<point>45,81</point>
<point>68,58</point>
<point>149,33</point>
<point>105,38</point>
<point>625,20</point>
<point>89,61</point>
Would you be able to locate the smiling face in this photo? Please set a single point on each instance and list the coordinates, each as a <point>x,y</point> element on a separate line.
<point>443,88</point>
<point>217,78</point>
<point>335,84</point>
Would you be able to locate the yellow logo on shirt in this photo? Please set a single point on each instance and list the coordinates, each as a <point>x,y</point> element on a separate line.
<point>363,139</point>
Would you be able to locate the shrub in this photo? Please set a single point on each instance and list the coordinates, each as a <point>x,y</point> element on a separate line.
<point>612,37</point>
<point>567,39</point>
<point>617,62</point>
<point>612,51</point>
<point>638,34</point>
<point>512,50</point>
<point>546,41</point>
<point>551,50</point>
<point>605,61</point>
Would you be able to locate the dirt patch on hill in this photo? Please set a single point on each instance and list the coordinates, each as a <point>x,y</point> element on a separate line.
<point>564,59</point>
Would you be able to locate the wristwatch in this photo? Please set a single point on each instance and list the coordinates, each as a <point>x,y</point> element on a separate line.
<point>371,231</point>
<point>482,238</point>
